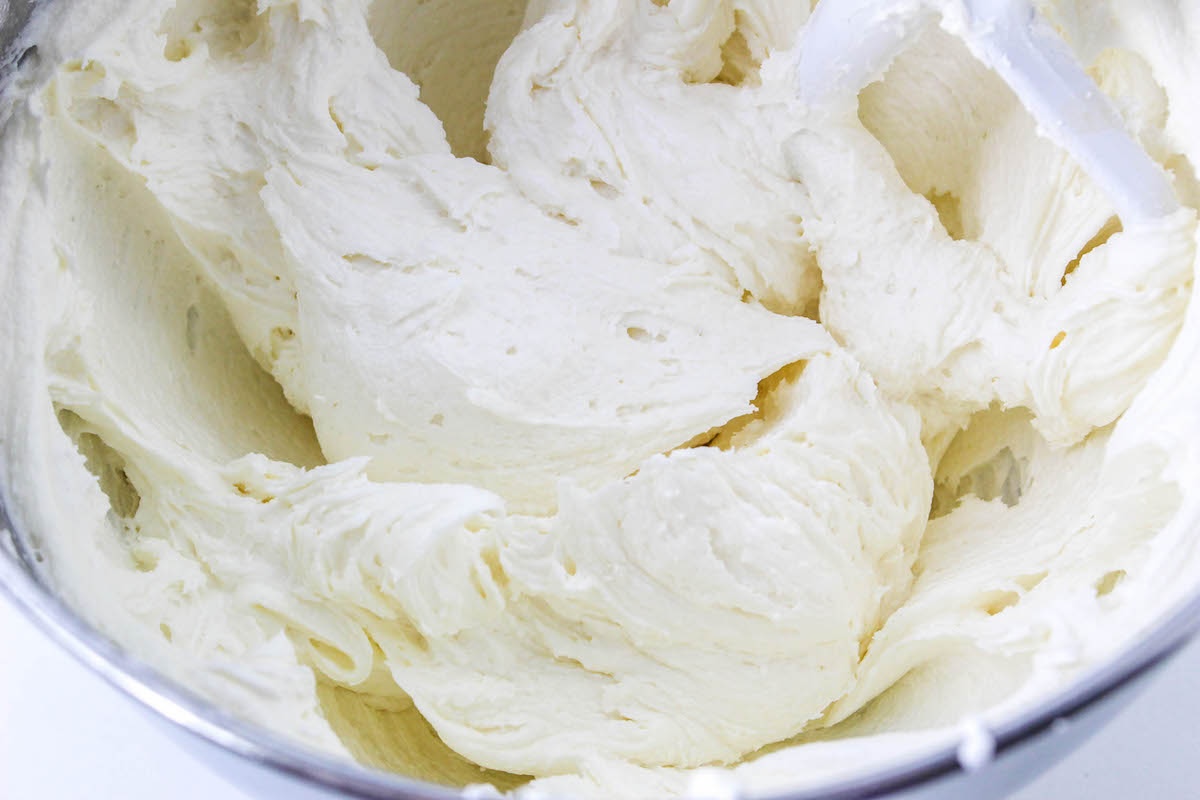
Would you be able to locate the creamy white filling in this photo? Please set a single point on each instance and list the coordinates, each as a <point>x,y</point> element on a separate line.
<point>634,425</point>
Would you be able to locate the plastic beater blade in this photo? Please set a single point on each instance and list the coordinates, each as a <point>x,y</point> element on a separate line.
<point>847,44</point>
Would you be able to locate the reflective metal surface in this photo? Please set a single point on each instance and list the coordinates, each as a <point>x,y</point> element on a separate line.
<point>271,766</point>
<point>14,16</point>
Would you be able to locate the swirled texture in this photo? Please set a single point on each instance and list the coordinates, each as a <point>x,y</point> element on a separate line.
<point>632,422</point>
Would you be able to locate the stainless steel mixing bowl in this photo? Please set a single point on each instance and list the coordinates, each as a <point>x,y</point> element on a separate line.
<point>270,766</point>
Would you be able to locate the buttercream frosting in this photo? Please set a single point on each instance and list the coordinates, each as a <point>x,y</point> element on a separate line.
<point>498,392</point>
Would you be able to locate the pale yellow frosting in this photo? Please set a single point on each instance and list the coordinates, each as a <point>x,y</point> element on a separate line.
<point>490,391</point>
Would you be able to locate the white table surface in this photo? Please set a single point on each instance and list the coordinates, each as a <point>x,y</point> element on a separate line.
<point>66,735</point>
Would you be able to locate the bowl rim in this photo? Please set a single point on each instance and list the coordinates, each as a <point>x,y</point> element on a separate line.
<point>196,716</point>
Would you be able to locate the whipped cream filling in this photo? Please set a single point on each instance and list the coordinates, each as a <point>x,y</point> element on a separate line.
<point>631,423</point>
